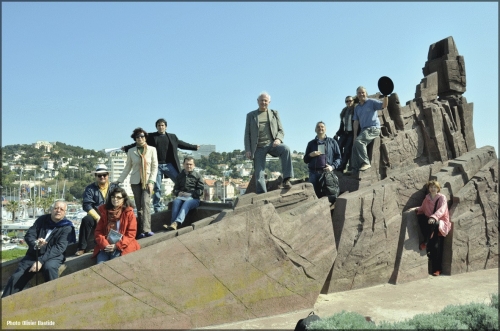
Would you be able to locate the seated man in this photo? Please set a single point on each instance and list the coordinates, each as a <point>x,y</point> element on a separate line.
<point>47,239</point>
<point>188,189</point>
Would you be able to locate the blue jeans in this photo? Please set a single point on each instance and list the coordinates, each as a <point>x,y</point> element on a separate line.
<point>259,162</point>
<point>163,169</point>
<point>106,256</point>
<point>314,179</point>
<point>180,208</point>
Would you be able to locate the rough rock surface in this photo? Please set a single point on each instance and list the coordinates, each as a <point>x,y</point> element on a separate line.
<point>274,252</point>
<point>250,264</point>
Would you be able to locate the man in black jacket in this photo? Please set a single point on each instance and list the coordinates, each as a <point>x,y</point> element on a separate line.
<point>49,235</point>
<point>188,189</point>
<point>94,195</point>
<point>166,145</point>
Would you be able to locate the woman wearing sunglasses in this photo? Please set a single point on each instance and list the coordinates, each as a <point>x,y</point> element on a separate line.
<point>142,164</point>
<point>115,232</point>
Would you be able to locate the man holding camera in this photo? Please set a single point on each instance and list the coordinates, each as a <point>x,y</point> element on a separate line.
<point>47,240</point>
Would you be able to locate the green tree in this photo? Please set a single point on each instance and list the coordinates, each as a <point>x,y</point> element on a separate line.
<point>13,207</point>
<point>44,203</point>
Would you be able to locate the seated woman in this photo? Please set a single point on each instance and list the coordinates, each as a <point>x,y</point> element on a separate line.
<point>434,222</point>
<point>322,155</point>
<point>116,214</point>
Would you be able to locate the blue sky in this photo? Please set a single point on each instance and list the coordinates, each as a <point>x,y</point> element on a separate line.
<point>87,74</point>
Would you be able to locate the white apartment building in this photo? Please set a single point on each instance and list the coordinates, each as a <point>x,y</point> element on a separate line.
<point>204,150</point>
<point>116,160</point>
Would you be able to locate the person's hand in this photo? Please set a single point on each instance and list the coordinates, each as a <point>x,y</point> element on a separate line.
<point>328,168</point>
<point>413,209</point>
<point>36,266</point>
<point>276,142</point>
<point>315,153</point>
<point>98,218</point>
<point>432,221</point>
<point>41,242</point>
<point>249,155</point>
<point>150,188</point>
<point>110,248</point>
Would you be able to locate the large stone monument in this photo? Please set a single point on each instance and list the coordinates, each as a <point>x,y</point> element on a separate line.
<point>276,252</point>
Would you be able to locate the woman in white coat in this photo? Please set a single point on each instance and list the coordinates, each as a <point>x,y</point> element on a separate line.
<point>142,164</point>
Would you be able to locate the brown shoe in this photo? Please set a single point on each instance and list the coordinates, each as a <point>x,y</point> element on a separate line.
<point>286,183</point>
<point>172,226</point>
<point>80,252</point>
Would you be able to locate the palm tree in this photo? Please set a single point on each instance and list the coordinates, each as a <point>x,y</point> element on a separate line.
<point>44,203</point>
<point>13,207</point>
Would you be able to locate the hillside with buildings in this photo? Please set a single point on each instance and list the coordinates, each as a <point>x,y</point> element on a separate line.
<point>58,170</point>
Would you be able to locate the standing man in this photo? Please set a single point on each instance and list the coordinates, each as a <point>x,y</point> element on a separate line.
<point>94,195</point>
<point>264,135</point>
<point>344,134</point>
<point>366,117</point>
<point>166,145</point>
<point>47,239</point>
<point>188,190</point>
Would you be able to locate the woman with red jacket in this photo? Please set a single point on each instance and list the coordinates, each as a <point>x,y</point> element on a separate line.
<point>116,214</point>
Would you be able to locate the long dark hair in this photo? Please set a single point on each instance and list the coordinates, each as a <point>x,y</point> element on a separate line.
<point>126,199</point>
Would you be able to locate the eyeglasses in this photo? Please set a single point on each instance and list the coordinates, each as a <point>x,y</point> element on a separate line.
<point>116,198</point>
<point>139,136</point>
<point>101,175</point>
<point>348,101</point>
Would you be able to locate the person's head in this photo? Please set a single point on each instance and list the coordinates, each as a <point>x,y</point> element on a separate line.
<point>58,211</point>
<point>263,101</point>
<point>320,128</point>
<point>349,101</point>
<point>188,164</point>
<point>118,197</point>
<point>139,135</point>
<point>362,94</point>
<point>433,185</point>
<point>161,125</point>
<point>101,174</point>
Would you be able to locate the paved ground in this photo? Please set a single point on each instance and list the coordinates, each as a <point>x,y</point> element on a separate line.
<point>390,302</point>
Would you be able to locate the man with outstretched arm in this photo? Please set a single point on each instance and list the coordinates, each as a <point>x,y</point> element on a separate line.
<point>166,145</point>
<point>366,117</point>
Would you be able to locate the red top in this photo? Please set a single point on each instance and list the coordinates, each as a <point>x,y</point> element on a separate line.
<point>128,228</point>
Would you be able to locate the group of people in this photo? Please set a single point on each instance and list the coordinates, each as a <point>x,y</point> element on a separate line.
<point>264,135</point>
<point>110,214</point>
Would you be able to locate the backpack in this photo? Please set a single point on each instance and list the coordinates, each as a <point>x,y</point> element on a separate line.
<point>303,324</point>
<point>329,184</point>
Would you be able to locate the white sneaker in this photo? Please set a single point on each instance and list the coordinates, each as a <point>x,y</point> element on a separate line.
<point>365,167</point>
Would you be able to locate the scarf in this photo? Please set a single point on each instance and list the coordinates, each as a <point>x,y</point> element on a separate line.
<point>114,216</point>
<point>144,164</point>
<point>51,225</point>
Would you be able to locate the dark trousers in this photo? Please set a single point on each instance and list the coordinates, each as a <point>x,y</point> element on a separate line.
<point>87,227</point>
<point>345,145</point>
<point>434,244</point>
<point>17,282</point>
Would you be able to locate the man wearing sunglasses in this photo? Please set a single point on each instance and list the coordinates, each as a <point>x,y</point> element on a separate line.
<point>94,195</point>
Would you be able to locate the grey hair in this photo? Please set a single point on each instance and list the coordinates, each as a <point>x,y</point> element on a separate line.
<point>264,93</point>
<point>361,87</point>
<point>59,201</point>
<point>320,122</point>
